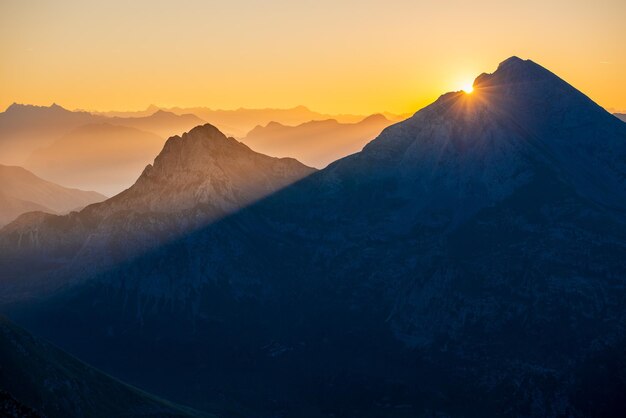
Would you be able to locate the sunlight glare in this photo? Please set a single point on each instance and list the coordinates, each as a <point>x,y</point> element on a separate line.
<point>468,88</point>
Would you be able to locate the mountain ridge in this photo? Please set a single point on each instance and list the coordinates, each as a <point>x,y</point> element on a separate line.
<point>459,259</point>
<point>22,191</point>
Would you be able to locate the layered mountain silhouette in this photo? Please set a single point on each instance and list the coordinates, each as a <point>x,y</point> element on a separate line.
<point>197,178</point>
<point>21,191</point>
<point>47,140</point>
<point>315,143</point>
<point>162,123</point>
<point>469,258</point>
<point>24,128</point>
<point>621,116</point>
<point>37,380</point>
<point>101,156</point>
<point>241,121</point>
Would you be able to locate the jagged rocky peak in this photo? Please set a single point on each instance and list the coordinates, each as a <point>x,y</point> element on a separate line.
<point>195,150</point>
<point>204,167</point>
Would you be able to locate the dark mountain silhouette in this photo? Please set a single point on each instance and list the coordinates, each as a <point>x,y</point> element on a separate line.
<point>21,191</point>
<point>315,143</point>
<point>100,156</point>
<point>470,259</point>
<point>12,408</point>
<point>51,383</point>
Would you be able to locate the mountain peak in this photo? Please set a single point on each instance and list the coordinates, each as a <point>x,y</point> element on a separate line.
<point>13,106</point>
<point>204,166</point>
<point>374,118</point>
<point>161,112</point>
<point>514,70</point>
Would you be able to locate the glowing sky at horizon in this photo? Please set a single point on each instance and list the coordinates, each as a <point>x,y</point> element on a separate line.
<point>332,56</point>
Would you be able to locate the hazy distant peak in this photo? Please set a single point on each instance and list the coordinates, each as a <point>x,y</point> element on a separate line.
<point>273,124</point>
<point>164,113</point>
<point>17,107</point>
<point>376,117</point>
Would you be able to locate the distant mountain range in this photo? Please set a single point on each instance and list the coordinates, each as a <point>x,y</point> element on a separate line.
<point>102,156</point>
<point>46,140</point>
<point>21,191</point>
<point>25,128</point>
<point>31,134</point>
<point>39,380</point>
<point>162,123</point>
<point>470,258</point>
<point>316,143</point>
<point>239,122</point>
<point>621,116</point>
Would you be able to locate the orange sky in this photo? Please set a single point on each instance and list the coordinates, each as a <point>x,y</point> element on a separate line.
<point>333,56</point>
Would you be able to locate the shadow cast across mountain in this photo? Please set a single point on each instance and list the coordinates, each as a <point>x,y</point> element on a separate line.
<point>468,260</point>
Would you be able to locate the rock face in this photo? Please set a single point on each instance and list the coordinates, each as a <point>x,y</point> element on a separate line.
<point>204,167</point>
<point>197,179</point>
<point>471,258</point>
<point>51,383</point>
<point>316,143</point>
<point>21,191</point>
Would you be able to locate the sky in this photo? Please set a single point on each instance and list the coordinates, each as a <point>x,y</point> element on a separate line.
<point>333,56</point>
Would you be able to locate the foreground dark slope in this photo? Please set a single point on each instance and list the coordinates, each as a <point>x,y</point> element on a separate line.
<point>468,262</point>
<point>38,377</point>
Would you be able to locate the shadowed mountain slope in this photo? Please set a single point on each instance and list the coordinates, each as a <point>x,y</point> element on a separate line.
<point>49,382</point>
<point>470,259</point>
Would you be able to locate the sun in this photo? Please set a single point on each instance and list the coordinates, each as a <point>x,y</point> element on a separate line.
<point>468,88</point>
